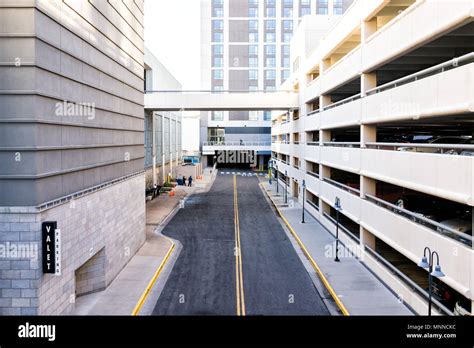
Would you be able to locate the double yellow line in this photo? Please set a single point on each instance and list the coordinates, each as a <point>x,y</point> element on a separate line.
<point>238,256</point>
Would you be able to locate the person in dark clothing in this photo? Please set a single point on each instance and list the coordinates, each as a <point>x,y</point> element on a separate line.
<point>184,180</point>
<point>190,180</point>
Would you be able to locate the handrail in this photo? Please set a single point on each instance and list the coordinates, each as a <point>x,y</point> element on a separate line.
<point>313,112</point>
<point>342,186</point>
<point>453,63</point>
<point>216,92</point>
<point>237,143</point>
<point>345,229</point>
<point>312,143</point>
<point>343,101</point>
<point>341,143</point>
<point>416,216</point>
<point>422,145</point>
<point>312,204</point>
<point>407,280</point>
<point>316,175</point>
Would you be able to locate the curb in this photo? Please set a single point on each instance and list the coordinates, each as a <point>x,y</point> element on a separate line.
<point>328,286</point>
<point>144,296</point>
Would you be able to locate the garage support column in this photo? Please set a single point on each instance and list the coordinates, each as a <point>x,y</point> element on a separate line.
<point>368,134</point>
<point>366,238</point>
<point>368,28</point>
<point>367,82</point>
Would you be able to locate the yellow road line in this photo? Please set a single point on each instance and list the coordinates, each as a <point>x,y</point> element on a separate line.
<point>311,260</point>
<point>142,299</point>
<point>238,256</point>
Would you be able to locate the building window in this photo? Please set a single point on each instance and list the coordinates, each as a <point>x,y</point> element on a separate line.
<point>287,12</point>
<point>217,88</point>
<point>253,115</point>
<point>270,37</point>
<point>322,7</point>
<point>217,12</point>
<point>305,11</point>
<point>288,3</point>
<point>218,50</point>
<point>217,62</point>
<point>253,74</point>
<point>270,25</point>
<point>270,88</point>
<point>253,3</point>
<point>253,50</point>
<point>288,25</point>
<point>218,2</point>
<point>286,62</point>
<point>253,88</point>
<point>287,37</point>
<point>270,74</point>
<point>286,50</point>
<point>217,116</point>
<point>217,37</point>
<point>253,12</point>
<point>253,62</point>
<point>253,25</point>
<point>306,3</point>
<point>253,37</point>
<point>267,115</point>
<point>338,10</point>
<point>217,24</point>
<point>285,75</point>
<point>270,50</point>
<point>270,3</point>
<point>218,74</point>
<point>270,62</point>
<point>270,12</point>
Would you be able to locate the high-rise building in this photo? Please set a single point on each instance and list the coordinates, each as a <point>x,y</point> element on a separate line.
<point>246,47</point>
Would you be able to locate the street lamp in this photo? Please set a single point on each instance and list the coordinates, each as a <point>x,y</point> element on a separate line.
<point>286,188</point>
<point>428,264</point>
<point>337,206</point>
<point>276,176</point>
<point>270,172</point>
<point>303,186</point>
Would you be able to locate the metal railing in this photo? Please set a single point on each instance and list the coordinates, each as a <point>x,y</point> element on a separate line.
<point>415,287</point>
<point>207,91</point>
<point>313,112</point>
<point>342,186</point>
<point>444,230</point>
<point>237,143</point>
<point>313,174</point>
<point>341,144</point>
<point>342,227</point>
<point>416,147</point>
<point>451,64</point>
<point>343,101</point>
<point>312,204</point>
<point>312,143</point>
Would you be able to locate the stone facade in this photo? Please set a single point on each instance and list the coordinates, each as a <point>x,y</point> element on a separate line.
<point>108,223</point>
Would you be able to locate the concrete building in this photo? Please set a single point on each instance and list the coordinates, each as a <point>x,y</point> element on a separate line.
<point>245,47</point>
<point>71,147</point>
<point>163,144</point>
<point>385,128</point>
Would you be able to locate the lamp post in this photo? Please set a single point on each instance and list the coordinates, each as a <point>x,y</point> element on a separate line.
<point>337,206</point>
<point>303,186</point>
<point>270,172</point>
<point>286,188</point>
<point>427,262</point>
<point>276,176</point>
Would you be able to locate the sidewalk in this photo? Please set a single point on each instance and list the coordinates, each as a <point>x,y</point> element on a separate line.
<point>123,294</point>
<point>359,290</point>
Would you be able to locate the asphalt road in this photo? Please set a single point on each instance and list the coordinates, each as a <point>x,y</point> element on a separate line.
<point>204,280</point>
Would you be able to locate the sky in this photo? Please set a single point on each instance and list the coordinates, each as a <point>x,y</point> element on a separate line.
<point>172,34</point>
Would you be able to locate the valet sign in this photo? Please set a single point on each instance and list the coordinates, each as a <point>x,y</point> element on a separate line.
<point>51,238</point>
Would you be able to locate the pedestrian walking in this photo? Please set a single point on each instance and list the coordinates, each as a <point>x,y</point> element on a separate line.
<point>184,180</point>
<point>190,181</point>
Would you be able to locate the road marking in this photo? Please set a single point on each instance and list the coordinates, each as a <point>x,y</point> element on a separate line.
<point>238,256</point>
<point>143,297</point>
<point>311,260</point>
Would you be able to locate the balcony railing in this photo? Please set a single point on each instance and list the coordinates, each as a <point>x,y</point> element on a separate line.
<point>312,143</point>
<point>313,174</point>
<point>237,143</point>
<point>448,149</point>
<point>342,102</point>
<point>437,227</point>
<point>312,204</point>
<point>313,112</point>
<point>341,144</point>
<point>451,64</point>
<point>342,227</point>
<point>342,186</point>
